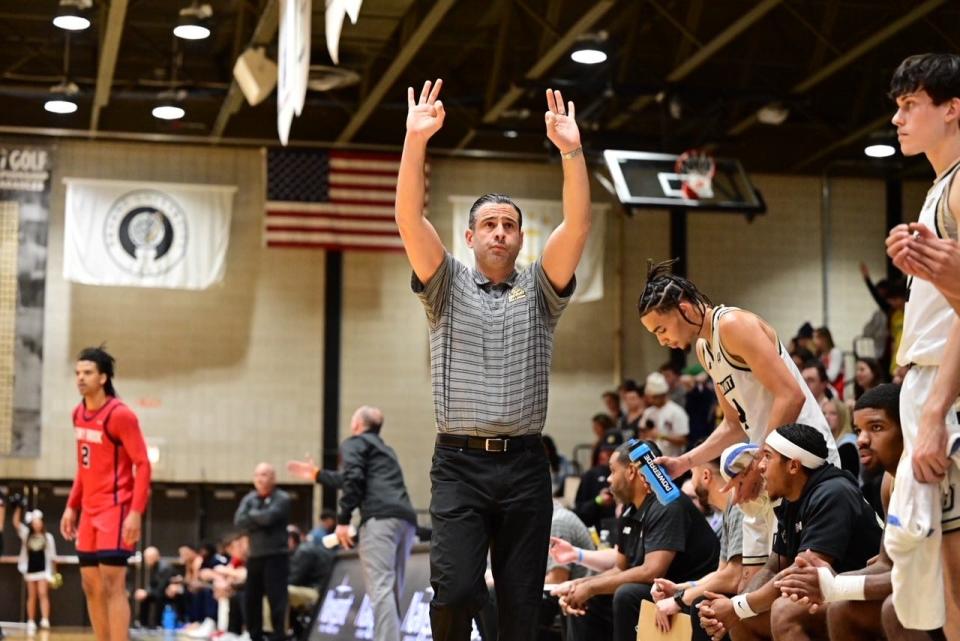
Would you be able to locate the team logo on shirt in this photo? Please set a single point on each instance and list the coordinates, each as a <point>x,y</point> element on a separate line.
<point>90,436</point>
<point>517,293</point>
<point>145,232</point>
<point>727,385</point>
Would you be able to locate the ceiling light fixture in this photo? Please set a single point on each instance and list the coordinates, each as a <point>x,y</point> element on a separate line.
<point>510,133</point>
<point>192,22</point>
<point>70,15</point>
<point>880,150</point>
<point>589,49</point>
<point>168,112</point>
<point>61,99</point>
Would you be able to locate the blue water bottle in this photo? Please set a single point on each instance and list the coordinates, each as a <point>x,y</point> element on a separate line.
<point>660,482</point>
<point>169,618</point>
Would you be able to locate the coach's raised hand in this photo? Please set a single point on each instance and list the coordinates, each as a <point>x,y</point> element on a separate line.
<point>425,117</point>
<point>562,127</point>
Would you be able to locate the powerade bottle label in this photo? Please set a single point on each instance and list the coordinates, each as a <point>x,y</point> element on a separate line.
<point>660,482</point>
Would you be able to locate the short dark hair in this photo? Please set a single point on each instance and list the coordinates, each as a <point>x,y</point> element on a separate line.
<point>819,366</point>
<point>807,437</point>
<point>327,514</point>
<point>804,354</point>
<point>664,291</point>
<point>884,397</point>
<point>492,199</point>
<point>631,386</point>
<point>936,73</point>
<point>672,367</point>
<point>604,420</point>
<point>104,362</point>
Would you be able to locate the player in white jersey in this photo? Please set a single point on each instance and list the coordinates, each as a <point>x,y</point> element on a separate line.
<point>758,385</point>
<point>925,507</point>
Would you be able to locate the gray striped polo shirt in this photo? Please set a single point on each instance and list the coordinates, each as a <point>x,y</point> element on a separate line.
<point>490,348</point>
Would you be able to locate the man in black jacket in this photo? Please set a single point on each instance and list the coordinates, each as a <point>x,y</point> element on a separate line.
<point>371,479</point>
<point>264,515</point>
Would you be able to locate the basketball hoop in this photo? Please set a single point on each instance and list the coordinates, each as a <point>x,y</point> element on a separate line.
<point>696,169</point>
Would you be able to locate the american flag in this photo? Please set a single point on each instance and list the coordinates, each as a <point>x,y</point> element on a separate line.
<point>337,200</point>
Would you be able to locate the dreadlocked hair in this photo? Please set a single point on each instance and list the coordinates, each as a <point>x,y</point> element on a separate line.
<point>664,291</point>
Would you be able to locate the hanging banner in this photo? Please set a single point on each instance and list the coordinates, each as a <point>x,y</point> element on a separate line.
<point>24,217</point>
<point>540,218</point>
<point>294,63</point>
<point>146,234</point>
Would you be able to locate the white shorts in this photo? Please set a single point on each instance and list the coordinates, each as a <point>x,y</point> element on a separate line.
<point>33,577</point>
<point>914,392</point>
<point>758,530</point>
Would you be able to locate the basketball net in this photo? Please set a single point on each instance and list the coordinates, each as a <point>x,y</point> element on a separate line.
<point>696,169</point>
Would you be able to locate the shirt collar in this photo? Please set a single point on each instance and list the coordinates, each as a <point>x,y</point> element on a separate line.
<point>480,279</point>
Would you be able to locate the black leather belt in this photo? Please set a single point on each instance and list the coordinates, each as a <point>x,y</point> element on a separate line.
<point>498,445</point>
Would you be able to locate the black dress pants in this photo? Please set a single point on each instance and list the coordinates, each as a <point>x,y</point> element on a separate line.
<point>488,501</point>
<point>266,576</point>
<point>611,617</point>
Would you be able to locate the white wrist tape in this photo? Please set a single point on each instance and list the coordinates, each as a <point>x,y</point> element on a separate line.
<point>840,587</point>
<point>742,607</point>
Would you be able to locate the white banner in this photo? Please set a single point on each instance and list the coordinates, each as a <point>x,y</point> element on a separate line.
<point>540,218</point>
<point>333,18</point>
<point>146,234</point>
<point>294,62</point>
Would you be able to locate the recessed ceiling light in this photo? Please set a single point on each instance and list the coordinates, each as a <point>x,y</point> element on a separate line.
<point>588,56</point>
<point>879,150</point>
<point>61,99</point>
<point>168,112</point>
<point>191,31</point>
<point>510,133</point>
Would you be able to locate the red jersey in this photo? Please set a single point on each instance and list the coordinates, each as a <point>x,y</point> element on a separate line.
<point>112,464</point>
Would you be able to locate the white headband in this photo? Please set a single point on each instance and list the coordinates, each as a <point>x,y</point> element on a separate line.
<point>791,450</point>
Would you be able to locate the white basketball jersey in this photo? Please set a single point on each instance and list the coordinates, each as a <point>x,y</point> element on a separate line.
<point>927,316</point>
<point>752,401</point>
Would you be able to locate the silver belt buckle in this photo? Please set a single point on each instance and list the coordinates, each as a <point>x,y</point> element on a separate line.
<point>488,441</point>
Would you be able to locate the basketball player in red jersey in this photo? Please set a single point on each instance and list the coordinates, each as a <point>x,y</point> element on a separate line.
<point>110,490</point>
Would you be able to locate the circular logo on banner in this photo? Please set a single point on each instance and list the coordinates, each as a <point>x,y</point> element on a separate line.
<point>146,232</point>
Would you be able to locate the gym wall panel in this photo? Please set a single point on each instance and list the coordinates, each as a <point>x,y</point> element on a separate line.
<point>221,378</point>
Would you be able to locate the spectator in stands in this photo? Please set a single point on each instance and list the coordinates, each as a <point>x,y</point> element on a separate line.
<point>664,421</point>
<point>701,403</point>
<point>815,375</point>
<point>603,425</point>
<point>229,580</point>
<point>568,535</point>
<point>629,424</point>
<point>868,374</point>
<point>326,524</point>
<point>654,540</point>
<point>560,466</point>
<point>878,327</point>
<point>37,563</point>
<point>672,372</point>
<point>832,358</point>
<point>837,414</point>
<point>153,598</point>
<point>801,357</point>
<point>611,401</point>
<point>897,297</point>
<point>804,339</point>
<point>264,514</point>
<point>594,503</point>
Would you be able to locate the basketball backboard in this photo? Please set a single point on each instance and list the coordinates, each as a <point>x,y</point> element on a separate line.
<point>650,180</point>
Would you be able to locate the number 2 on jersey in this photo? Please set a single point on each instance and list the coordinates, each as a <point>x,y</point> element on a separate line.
<point>85,455</point>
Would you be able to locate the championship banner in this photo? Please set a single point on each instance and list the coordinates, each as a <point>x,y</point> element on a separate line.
<point>24,215</point>
<point>540,218</point>
<point>140,234</point>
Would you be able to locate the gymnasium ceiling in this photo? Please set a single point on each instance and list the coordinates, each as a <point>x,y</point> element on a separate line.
<point>680,73</point>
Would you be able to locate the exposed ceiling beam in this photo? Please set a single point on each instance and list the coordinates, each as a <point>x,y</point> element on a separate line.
<point>262,35</point>
<point>853,54</point>
<point>868,44</point>
<point>109,48</point>
<point>400,62</point>
<point>541,66</point>
<point>864,131</point>
<point>703,54</point>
